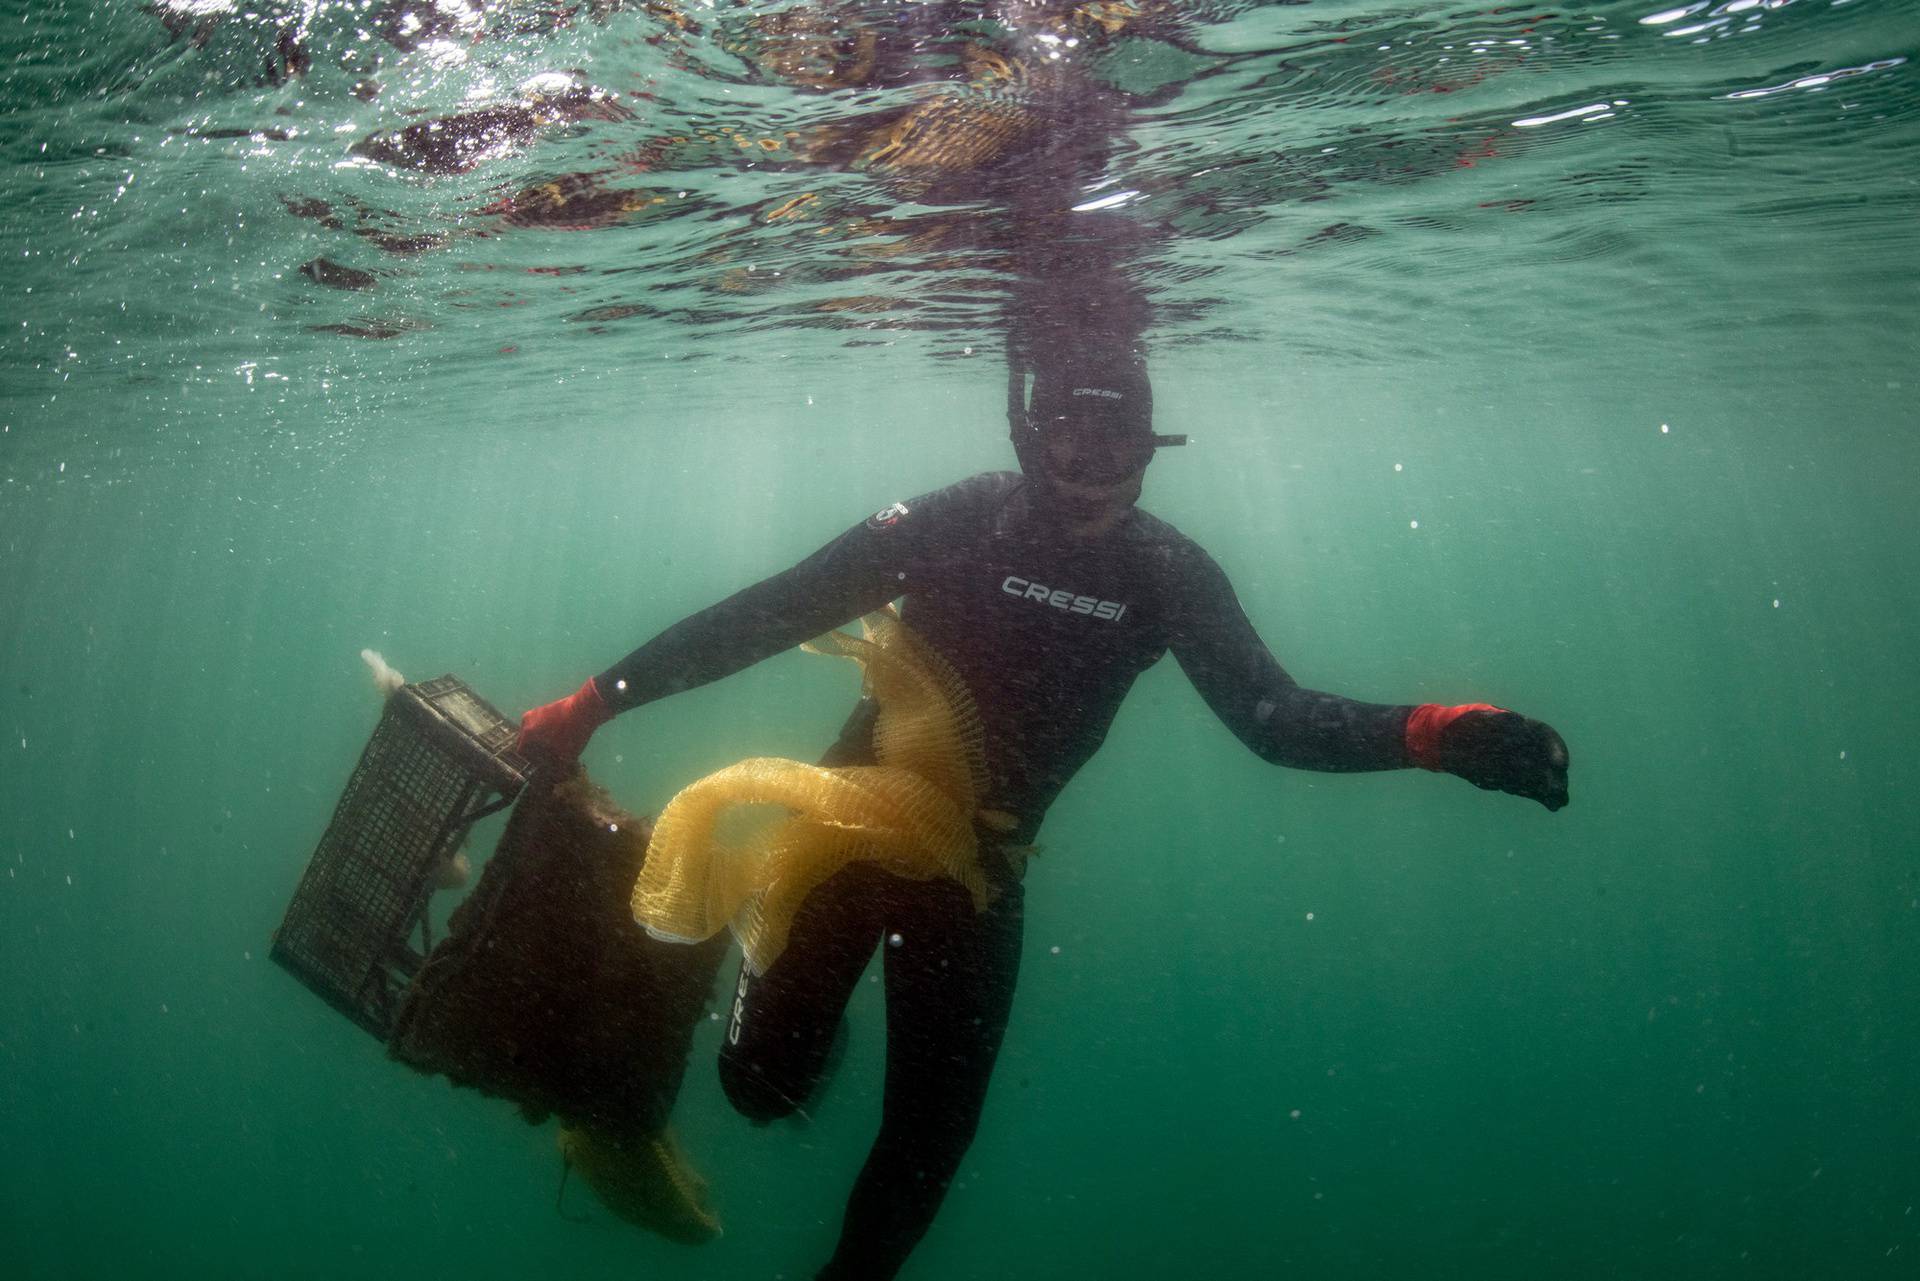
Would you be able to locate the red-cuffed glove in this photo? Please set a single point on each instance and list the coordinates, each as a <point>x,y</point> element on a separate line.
<point>1491,748</point>
<point>558,731</point>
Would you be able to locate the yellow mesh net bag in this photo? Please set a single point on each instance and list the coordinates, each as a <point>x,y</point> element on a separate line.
<point>913,812</point>
<point>646,1180</point>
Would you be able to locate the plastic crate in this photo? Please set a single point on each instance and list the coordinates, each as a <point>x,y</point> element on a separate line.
<point>357,930</point>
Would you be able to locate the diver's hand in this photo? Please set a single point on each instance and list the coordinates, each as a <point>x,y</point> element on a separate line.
<point>1491,748</point>
<point>557,732</point>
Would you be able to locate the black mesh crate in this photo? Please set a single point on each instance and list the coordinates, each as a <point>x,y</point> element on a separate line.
<point>357,930</point>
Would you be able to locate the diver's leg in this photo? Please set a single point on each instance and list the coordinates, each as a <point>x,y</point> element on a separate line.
<point>781,1027</point>
<point>950,980</point>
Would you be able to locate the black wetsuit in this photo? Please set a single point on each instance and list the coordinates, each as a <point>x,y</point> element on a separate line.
<point>1049,632</point>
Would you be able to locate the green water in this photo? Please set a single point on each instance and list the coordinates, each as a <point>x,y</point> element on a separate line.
<point>1636,458</point>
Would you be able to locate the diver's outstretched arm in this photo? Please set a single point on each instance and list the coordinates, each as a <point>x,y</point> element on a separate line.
<point>1287,724</point>
<point>858,572</point>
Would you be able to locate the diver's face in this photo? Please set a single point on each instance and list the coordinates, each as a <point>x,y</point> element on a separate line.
<point>1093,481</point>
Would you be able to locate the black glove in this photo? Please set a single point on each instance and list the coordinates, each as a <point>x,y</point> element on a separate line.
<point>1506,752</point>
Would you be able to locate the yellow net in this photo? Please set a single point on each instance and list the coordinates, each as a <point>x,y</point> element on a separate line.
<point>913,811</point>
<point>645,1180</point>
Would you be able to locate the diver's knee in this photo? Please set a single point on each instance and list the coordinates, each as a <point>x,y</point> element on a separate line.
<point>752,1094</point>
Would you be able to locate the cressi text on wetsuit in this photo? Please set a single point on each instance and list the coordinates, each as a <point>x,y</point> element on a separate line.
<point>1049,632</point>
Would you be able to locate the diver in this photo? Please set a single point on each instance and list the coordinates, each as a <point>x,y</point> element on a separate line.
<point>1049,591</point>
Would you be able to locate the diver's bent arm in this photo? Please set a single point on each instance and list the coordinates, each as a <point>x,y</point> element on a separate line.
<point>855,574</point>
<point>1266,708</point>
<point>850,576</point>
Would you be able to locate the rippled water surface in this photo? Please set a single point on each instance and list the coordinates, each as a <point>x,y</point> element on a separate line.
<point>1561,356</point>
<point>580,187</point>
